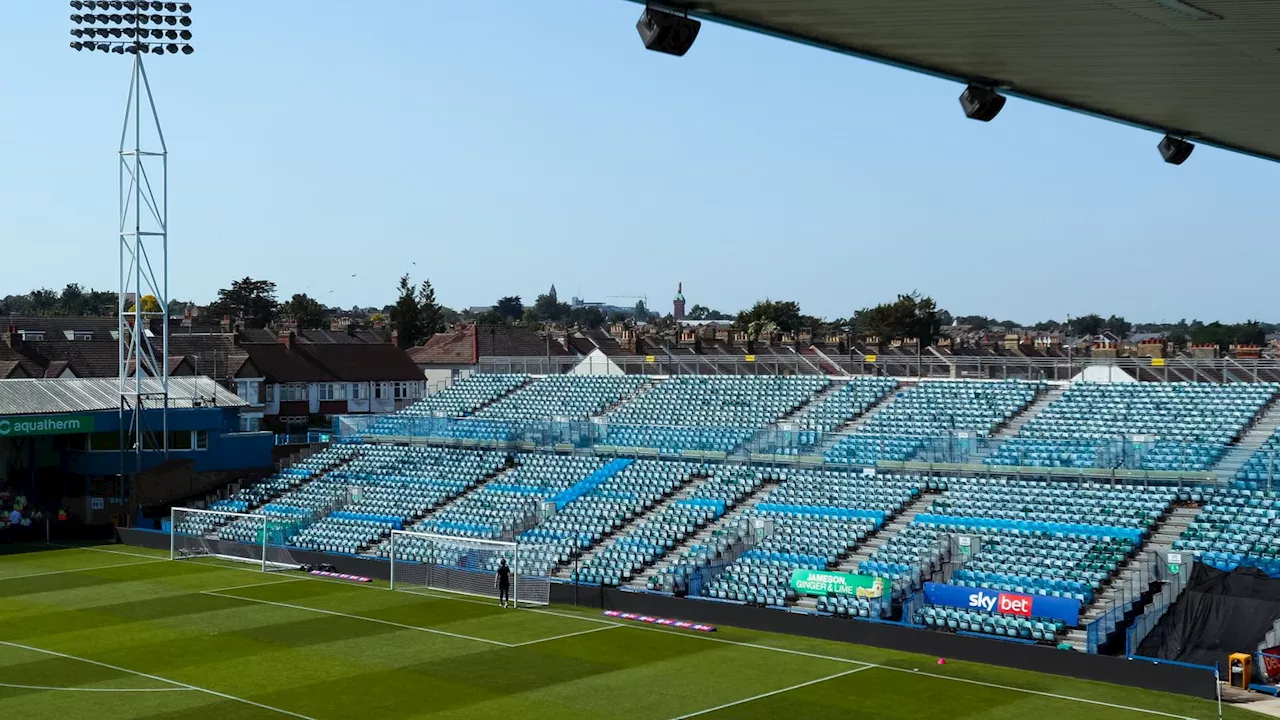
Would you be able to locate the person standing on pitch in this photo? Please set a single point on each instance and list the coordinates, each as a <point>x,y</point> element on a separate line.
<point>502,579</point>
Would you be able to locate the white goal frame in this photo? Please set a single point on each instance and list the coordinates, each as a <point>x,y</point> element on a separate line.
<point>509,549</point>
<point>263,547</point>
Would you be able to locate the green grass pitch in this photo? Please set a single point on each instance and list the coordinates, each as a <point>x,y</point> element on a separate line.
<point>121,632</point>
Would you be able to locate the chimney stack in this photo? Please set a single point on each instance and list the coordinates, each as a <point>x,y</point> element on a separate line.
<point>13,339</point>
<point>286,338</point>
<point>226,323</point>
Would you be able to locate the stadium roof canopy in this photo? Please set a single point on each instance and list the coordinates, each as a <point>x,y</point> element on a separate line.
<point>1208,70</point>
<point>43,397</point>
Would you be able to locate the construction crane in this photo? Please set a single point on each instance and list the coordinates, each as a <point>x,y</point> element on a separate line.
<point>645,298</point>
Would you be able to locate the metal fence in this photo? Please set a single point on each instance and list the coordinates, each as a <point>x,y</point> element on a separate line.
<point>789,361</point>
<point>943,454</point>
<point>1175,583</point>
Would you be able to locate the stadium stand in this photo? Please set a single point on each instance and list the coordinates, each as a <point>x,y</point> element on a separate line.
<point>1191,425</point>
<point>568,397</point>
<point>1263,466</point>
<point>918,416</point>
<point>1235,528</point>
<point>716,413</point>
<point>735,532</point>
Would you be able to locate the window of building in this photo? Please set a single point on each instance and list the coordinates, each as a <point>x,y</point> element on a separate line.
<point>333,391</point>
<point>271,393</point>
<point>293,392</point>
<point>248,391</point>
<point>202,439</point>
<point>250,423</point>
<point>35,335</point>
<point>379,390</point>
<point>355,391</point>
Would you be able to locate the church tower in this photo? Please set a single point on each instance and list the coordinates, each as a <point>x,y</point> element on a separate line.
<point>677,310</point>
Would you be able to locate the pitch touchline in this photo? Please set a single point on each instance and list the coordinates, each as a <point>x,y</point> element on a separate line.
<point>452,596</point>
<point>157,678</point>
<point>761,696</point>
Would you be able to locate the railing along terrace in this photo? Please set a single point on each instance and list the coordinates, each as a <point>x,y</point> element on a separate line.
<point>929,365</point>
<point>943,453</point>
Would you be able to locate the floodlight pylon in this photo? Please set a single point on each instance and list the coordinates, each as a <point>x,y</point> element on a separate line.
<point>143,228</point>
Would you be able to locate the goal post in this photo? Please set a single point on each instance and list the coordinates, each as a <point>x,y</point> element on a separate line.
<point>462,565</point>
<point>239,537</point>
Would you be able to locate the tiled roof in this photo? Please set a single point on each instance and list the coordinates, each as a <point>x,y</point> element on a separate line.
<point>279,364</point>
<point>509,340</point>
<point>452,347</point>
<point>11,369</point>
<point>362,362</point>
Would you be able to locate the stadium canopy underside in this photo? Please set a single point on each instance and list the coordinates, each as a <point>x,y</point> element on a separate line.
<point>1208,70</point>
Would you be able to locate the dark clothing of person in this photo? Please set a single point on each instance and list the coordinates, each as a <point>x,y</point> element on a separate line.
<point>504,583</point>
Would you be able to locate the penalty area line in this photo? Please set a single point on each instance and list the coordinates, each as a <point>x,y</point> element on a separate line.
<point>762,696</point>
<point>47,688</point>
<point>567,635</point>
<point>366,618</point>
<point>157,678</point>
<point>77,570</point>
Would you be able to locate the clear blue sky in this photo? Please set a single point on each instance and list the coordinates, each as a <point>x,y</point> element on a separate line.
<point>505,145</point>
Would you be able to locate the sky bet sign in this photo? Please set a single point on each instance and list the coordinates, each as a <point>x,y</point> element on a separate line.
<point>1004,603</point>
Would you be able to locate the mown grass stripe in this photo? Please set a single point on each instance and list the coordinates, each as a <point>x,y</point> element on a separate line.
<point>157,678</point>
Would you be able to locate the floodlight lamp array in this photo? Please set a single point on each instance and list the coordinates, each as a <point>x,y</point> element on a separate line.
<point>132,27</point>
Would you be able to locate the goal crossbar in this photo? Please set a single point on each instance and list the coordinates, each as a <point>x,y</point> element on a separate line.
<point>466,566</point>
<point>197,532</point>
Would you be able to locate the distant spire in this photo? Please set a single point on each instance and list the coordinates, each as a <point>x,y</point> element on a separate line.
<point>677,310</point>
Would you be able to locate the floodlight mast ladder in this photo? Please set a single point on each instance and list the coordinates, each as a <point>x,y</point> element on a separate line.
<point>144,270</point>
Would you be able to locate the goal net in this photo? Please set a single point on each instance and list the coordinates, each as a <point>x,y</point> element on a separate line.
<point>463,565</point>
<point>240,537</point>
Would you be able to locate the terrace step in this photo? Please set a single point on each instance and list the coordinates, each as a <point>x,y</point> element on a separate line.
<point>415,524</point>
<point>701,536</point>
<point>692,482</point>
<point>1253,439</point>
<point>881,537</point>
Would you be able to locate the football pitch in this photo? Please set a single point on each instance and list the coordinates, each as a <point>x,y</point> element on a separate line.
<point>122,632</point>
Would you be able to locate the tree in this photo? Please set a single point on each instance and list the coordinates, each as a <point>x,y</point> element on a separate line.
<point>590,317</point>
<point>702,312</point>
<point>912,316</point>
<point>549,309</point>
<point>767,317</point>
<point>1087,325</point>
<point>406,315</point>
<point>511,306</point>
<point>150,305</point>
<point>73,301</point>
<point>642,313</point>
<point>1118,326</point>
<point>430,314</point>
<point>304,310</point>
<point>44,302</point>
<point>250,301</point>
